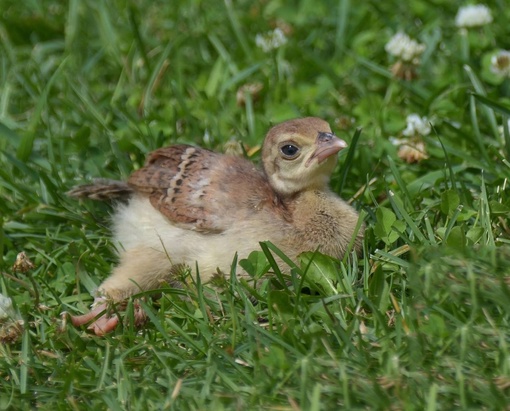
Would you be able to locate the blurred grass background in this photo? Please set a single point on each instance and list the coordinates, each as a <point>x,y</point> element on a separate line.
<point>420,322</point>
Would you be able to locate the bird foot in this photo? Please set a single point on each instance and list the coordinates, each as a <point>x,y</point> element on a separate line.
<point>103,321</point>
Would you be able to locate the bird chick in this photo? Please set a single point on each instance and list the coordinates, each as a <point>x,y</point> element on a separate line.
<point>190,206</point>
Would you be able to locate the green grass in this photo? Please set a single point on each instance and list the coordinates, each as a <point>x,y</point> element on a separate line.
<point>422,321</point>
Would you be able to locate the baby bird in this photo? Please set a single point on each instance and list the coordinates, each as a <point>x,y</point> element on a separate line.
<point>189,205</point>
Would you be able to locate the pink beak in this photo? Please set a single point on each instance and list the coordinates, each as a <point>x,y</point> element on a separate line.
<point>327,145</point>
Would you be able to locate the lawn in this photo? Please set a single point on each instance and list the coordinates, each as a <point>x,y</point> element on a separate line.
<point>420,91</point>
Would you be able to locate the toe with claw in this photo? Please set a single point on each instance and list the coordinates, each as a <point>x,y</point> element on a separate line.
<point>101,318</point>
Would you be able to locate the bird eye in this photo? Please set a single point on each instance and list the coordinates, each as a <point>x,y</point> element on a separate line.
<point>289,151</point>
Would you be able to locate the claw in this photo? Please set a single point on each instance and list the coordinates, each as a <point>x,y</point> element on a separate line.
<point>78,320</point>
<point>103,322</point>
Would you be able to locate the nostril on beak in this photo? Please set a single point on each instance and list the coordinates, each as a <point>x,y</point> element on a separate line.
<point>325,137</point>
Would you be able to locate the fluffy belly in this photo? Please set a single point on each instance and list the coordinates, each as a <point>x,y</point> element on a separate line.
<point>139,225</point>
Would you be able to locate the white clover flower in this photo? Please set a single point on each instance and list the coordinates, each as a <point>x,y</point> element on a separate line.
<point>251,89</point>
<point>11,324</point>
<point>404,47</point>
<point>396,141</point>
<point>271,40</point>
<point>473,16</point>
<point>6,309</point>
<point>500,63</point>
<point>411,150</point>
<point>416,125</point>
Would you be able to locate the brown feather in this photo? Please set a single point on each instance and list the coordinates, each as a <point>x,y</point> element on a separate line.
<point>103,190</point>
<point>194,188</point>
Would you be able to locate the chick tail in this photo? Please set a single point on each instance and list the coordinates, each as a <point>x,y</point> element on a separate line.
<point>103,190</point>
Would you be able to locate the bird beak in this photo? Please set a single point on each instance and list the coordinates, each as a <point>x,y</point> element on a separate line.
<point>327,145</point>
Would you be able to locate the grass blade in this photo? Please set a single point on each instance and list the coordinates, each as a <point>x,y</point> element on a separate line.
<point>348,162</point>
<point>400,210</point>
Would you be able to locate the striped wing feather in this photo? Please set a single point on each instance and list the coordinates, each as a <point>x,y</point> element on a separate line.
<point>198,189</point>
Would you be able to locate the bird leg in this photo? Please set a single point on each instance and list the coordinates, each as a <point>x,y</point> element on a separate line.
<point>139,270</point>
